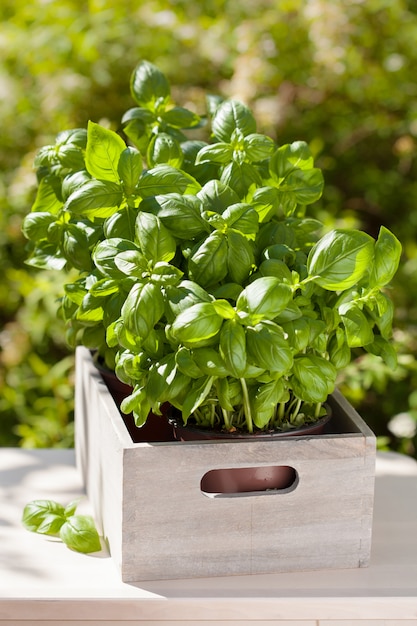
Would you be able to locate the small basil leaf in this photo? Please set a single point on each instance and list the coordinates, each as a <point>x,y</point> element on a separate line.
<point>37,511</point>
<point>103,151</point>
<point>79,533</point>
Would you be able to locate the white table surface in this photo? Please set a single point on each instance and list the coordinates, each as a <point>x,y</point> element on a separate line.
<point>43,582</point>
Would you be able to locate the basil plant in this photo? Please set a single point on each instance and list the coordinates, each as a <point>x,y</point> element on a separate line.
<point>193,268</point>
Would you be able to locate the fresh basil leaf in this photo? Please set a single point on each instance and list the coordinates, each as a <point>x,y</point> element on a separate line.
<point>240,177</point>
<point>121,224</point>
<point>186,364</point>
<point>287,158</point>
<point>340,259</point>
<point>208,262</point>
<point>36,512</point>
<point>156,242</point>
<point>80,534</point>
<point>382,348</point>
<point>233,347</point>
<point>142,309</point>
<point>264,298</point>
<point>103,151</point>
<point>243,218</point>
<point>265,400</point>
<point>229,116</point>
<point>96,198</point>
<point>196,324</point>
<point>240,257</point>
<point>266,201</point>
<point>131,263</point>
<point>215,153</point>
<point>198,393</point>
<point>179,117</point>
<point>148,85</point>
<point>35,225</point>
<point>106,252</point>
<point>46,256</point>
<point>164,179</point>
<point>268,349</point>
<point>210,362</point>
<point>314,378</point>
<point>216,196</point>
<point>358,329</point>
<point>46,199</point>
<point>387,258</point>
<point>129,168</point>
<point>164,149</point>
<point>258,147</point>
<point>181,215</point>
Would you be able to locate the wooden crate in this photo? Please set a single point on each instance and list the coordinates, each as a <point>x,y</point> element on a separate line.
<point>158,523</point>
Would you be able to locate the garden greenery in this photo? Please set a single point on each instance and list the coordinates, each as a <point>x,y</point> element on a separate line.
<point>198,274</point>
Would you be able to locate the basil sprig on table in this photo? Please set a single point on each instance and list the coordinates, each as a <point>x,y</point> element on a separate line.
<point>194,269</point>
<point>48,517</point>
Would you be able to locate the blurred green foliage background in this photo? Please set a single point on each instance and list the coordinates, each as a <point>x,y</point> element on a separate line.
<point>340,75</point>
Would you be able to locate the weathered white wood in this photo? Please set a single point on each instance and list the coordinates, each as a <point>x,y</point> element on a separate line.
<point>159,524</point>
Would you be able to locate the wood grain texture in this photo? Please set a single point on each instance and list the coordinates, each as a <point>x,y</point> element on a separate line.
<point>160,525</point>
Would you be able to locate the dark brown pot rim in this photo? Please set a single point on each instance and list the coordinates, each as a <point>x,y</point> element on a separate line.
<point>191,432</point>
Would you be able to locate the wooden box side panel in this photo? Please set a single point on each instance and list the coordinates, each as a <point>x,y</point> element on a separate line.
<point>176,531</point>
<point>99,451</point>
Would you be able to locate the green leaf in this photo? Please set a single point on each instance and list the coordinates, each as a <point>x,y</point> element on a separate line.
<point>96,198</point>
<point>103,151</point>
<point>129,169</point>
<point>106,252</point>
<point>302,187</point>
<point>229,116</point>
<point>387,258</point>
<point>46,199</point>
<point>149,85</point>
<point>338,349</point>
<point>266,201</point>
<point>208,262</point>
<point>243,218</point>
<point>340,259</point>
<point>179,117</point>
<point>240,177</point>
<point>156,242</point>
<point>186,363</point>
<point>164,149</point>
<point>35,225</point>
<point>196,396</point>
<point>265,400</point>
<point>240,257</point>
<point>264,298</point>
<point>358,329</point>
<point>381,347</point>
<point>196,324</point>
<point>43,514</point>
<point>75,247</point>
<point>143,308</point>
<point>287,158</point>
<point>267,348</point>
<point>314,378</point>
<point>46,256</point>
<point>215,153</point>
<point>217,196</point>
<point>131,263</point>
<point>233,347</point>
<point>80,534</point>
<point>164,179</point>
<point>181,215</point>
<point>258,147</point>
<point>210,362</point>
